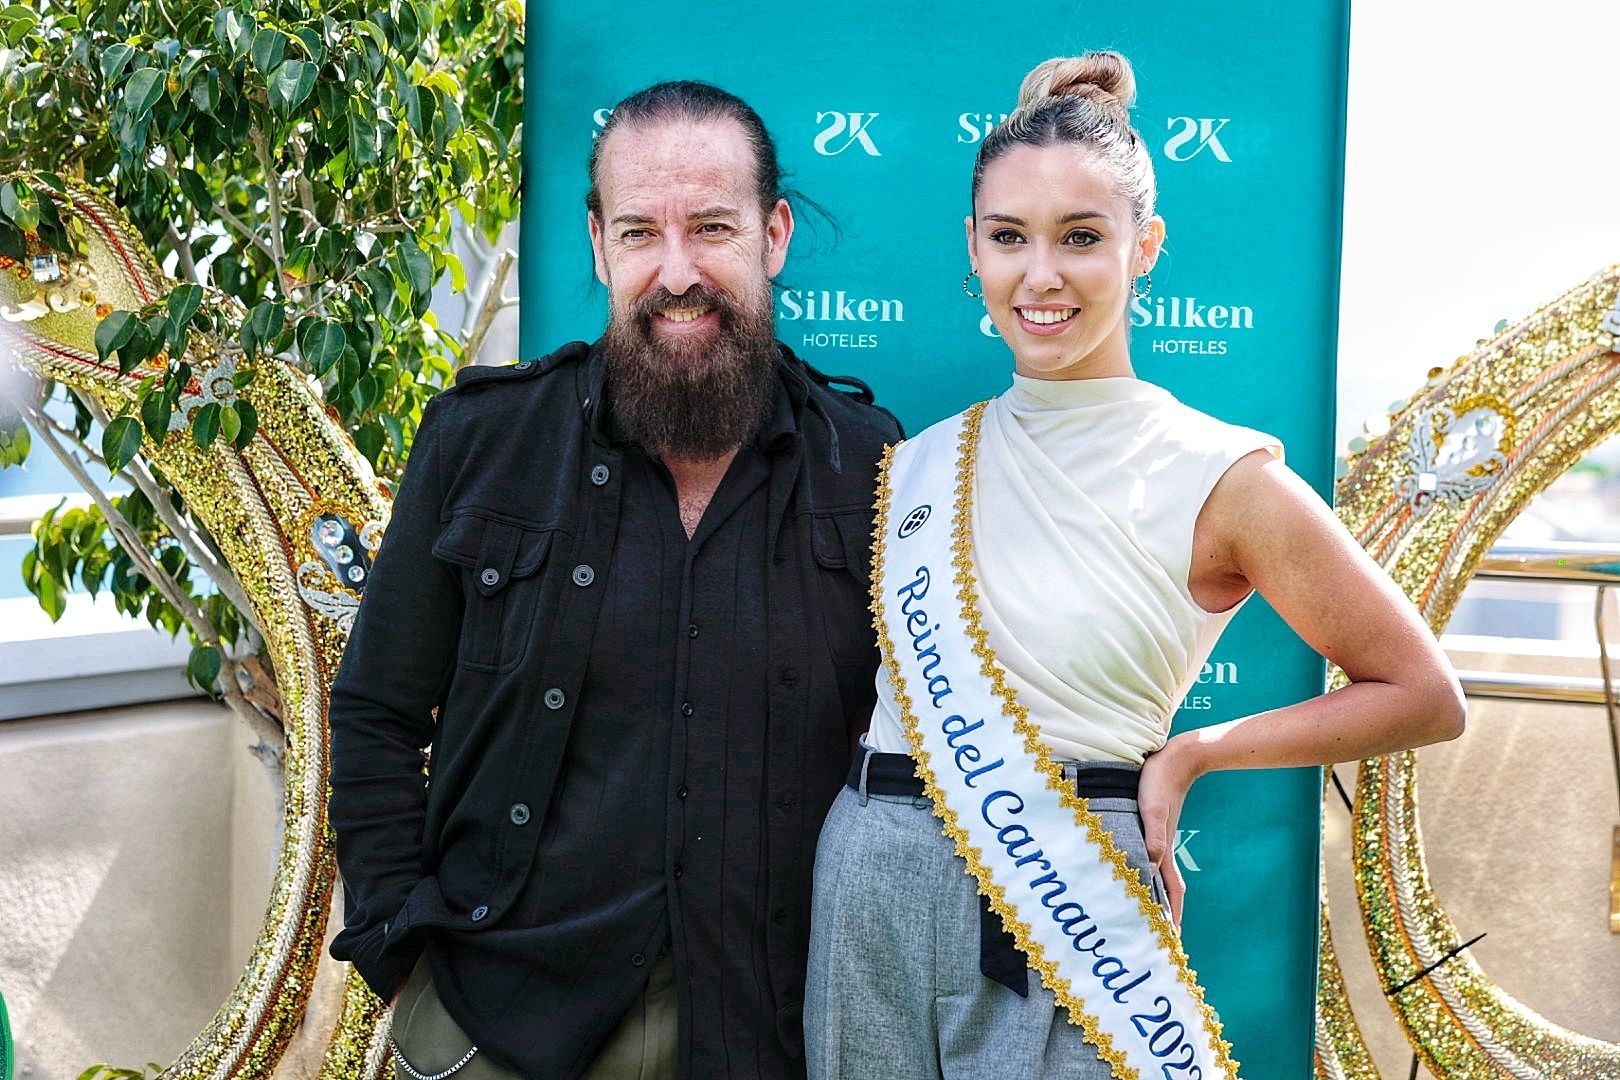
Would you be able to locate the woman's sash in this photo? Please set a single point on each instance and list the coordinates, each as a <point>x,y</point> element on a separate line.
<point>1046,863</point>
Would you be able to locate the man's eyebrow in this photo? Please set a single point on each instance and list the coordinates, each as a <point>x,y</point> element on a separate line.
<point>714,212</point>
<point>631,219</point>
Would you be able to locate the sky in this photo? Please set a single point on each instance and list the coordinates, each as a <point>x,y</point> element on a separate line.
<point>1482,179</point>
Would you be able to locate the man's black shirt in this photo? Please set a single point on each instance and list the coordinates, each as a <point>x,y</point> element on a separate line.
<point>638,733</point>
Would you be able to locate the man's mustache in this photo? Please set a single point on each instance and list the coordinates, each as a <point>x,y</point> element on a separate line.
<point>660,300</point>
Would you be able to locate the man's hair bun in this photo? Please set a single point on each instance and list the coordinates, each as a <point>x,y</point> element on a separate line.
<point>1104,78</point>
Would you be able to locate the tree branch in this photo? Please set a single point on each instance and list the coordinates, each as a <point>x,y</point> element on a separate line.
<point>246,232</point>
<point>182,250</point>
<point>490,304</point>
<point>272,185</point>
<point>271,749</point>
<point>137,473</point>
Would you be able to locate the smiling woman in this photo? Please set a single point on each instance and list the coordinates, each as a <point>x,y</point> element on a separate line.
<point>1103,536</point>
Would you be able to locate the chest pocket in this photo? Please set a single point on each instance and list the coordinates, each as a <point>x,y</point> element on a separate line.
<point>500,565</point>
<point>843,548</point>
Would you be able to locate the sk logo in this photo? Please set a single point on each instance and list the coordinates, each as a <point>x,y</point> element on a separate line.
<point>1207,131</point>
<point>854,127</point>
<point>1183,856</point>
<point>914,521</point>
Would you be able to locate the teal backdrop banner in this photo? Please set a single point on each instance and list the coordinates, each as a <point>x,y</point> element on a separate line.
<point>878,110</point>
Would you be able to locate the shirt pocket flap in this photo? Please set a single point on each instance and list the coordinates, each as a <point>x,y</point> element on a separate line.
<point>496,551</point>
<point>844,542</point>
<point>829,545</point>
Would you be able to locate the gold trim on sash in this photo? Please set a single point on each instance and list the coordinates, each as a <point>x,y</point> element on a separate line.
<point>967,593</point>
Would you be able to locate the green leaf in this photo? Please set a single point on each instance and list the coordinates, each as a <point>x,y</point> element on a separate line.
<point>18,202</point>
<point>311,41</point>
<point>321,342</point>
<point>184,300</point>
<point>368,439</point>
<point>458,273</point>
<point>114,332</point>
<point>206,425</point>
<point>418,268</point>
<point>230,424</point>
<point>366,392</point>
<point>155,414</point>
<point>264,322</point>
<point>114,60</point>
<point>207,92</point>
<point>50,597</point>
<point>290,85</point>
<point>250,423</point>
<point>362,137</point>
<point>396,433</point>
<point>11,241</point>
<point>142,91</point>
<point>269,50</point>
<point>409,23</point>
<point>243,376</point>
<point>233,30</point>
<point>158,329</point>
<point>195,189</point>
<point>202,667</point>
<point>121,442</point>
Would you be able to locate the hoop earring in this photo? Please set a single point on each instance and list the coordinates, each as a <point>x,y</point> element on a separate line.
<point>1144,290</point>
<point>973,295</point>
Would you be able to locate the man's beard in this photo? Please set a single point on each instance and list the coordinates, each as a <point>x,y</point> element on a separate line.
<point>696,396</point>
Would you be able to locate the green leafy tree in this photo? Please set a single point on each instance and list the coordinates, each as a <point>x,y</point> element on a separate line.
<point>313,161</point>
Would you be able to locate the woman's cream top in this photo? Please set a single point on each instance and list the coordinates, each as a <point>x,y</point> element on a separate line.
<point>1086,495</point>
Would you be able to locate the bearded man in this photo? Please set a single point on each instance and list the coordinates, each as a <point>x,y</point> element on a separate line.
<point>623,596</point>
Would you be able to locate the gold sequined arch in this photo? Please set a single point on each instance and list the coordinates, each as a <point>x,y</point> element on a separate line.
<point>296,514</point>
<point>1427,500</point>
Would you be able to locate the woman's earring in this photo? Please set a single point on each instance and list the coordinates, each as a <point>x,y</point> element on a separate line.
<point>1144,288</point>
<point>975,295</point>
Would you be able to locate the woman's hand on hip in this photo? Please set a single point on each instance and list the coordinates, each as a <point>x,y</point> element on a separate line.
<point>1166,777</point>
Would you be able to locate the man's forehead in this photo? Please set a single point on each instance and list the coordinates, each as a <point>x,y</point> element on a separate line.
<point>653,160</point>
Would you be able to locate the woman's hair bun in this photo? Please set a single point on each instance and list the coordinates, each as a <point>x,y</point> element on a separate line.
<point>1104,78</point>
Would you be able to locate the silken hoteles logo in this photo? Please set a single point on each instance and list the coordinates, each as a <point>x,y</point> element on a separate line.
<point>838,131</point>
<point>976,126</point>
<point>1192,135</point>
<point>1210,322</point>
<point>855,318</point>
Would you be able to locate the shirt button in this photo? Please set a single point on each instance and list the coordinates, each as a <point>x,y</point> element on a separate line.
<point>686,708</point>
<point>554,698</point>
<point>638,960</point>
<point>691,631</point>
<point>479,912</point>
<point>490,577</point>
<point>599,475</point>
<point>525,365</point>
<point>681,792</point>
<point>520,814</point>
<point>679,871</point>
<point>583,575</point>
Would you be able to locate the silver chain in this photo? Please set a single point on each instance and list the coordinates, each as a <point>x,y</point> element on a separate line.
<point>399,1058</point>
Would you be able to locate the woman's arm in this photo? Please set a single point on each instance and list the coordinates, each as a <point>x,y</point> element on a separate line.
<point>1264,528</point>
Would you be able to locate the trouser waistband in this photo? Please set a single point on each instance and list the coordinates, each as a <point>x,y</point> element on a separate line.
<point>872,773</point>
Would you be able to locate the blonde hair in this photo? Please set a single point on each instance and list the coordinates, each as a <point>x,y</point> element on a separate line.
<point>1085,101</point>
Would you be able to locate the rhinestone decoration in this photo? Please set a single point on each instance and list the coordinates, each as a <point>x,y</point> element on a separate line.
<point>1427,499</point>
<point>267,505</point>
